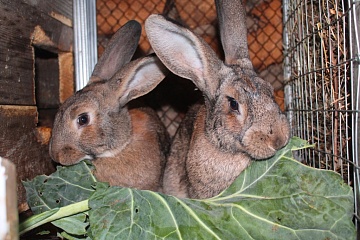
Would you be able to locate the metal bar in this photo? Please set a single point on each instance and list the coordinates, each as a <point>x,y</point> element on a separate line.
<point>287,68</point>
<point>347,104</point>
<point>85,40</point>
<point>354,34</point>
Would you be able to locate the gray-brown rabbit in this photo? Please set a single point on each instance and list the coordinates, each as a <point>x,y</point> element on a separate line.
<point>239,119</point>
<point>128,146</point>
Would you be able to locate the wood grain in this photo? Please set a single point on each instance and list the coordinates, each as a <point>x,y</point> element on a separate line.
<point>27,76</point>
<point>19,143</point>
<point>18,21</point>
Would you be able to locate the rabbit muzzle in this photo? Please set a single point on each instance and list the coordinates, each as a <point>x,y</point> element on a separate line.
<point>67,155</point>
<point>264,141</point>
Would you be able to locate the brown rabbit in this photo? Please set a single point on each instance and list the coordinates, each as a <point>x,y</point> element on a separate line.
<point>239,119</point>
<point>128,146</point>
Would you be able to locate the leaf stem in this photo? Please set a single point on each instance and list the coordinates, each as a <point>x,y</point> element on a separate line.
<point>52,215</point>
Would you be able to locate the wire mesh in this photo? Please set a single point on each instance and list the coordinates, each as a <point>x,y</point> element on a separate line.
<point>264,26</point>
<point>112,14</point>
<point>322,96</point>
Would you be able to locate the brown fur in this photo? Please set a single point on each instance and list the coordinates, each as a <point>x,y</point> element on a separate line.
<point>205,175</point>
<point>127,145</point>
<point>239,120</point>
<point>132,165</point>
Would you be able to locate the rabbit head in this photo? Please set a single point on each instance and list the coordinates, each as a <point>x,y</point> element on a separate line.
<point>241,114</point>
<point>95,121</point>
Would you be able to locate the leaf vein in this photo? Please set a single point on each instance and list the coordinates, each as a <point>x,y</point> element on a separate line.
<point>191,213</point>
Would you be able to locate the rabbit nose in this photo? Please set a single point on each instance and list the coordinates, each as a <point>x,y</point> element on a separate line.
<point>59,155</point>
<point>55,155</point>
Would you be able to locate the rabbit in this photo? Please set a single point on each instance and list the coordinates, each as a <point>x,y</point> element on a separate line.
<point>238,119</point>
<point>127,145</point>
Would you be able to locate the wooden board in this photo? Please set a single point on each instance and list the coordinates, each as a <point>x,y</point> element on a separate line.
<point>18,22</point>
<point>24,25</point>
<point>55,8</point>
<point>21,144</point>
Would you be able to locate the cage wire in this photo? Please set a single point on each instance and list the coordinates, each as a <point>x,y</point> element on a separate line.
<point>322,92</point>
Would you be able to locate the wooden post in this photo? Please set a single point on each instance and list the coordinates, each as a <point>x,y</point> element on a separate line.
<point>8,201</point>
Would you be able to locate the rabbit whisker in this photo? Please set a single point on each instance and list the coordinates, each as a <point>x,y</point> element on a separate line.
<point>271,148</point>
<point>86,157</point>
<point>107,154</point>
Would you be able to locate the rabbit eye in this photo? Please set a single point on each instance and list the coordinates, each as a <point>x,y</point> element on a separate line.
<point>234,105</point>
<point>83,119</point>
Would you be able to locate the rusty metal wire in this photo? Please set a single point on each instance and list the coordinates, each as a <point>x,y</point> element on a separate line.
<point>264,27</point>
<point>322,91</point>
<point>112,14</point>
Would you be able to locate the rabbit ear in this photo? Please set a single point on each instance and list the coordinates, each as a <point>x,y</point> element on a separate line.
<point>137,78</point>
<point>184,53</point>
<point>233,32</point>
<point>118,52</point>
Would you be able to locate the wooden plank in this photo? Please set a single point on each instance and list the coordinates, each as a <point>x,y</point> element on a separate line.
<point>9,219</point>
<point>23,144</point>
<point>66,76</point>
<point>24,25</point>
<point>58,9</point>
<point>19,21</point>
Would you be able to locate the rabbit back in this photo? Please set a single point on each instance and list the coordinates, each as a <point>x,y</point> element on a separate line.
<point>175,180</point>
